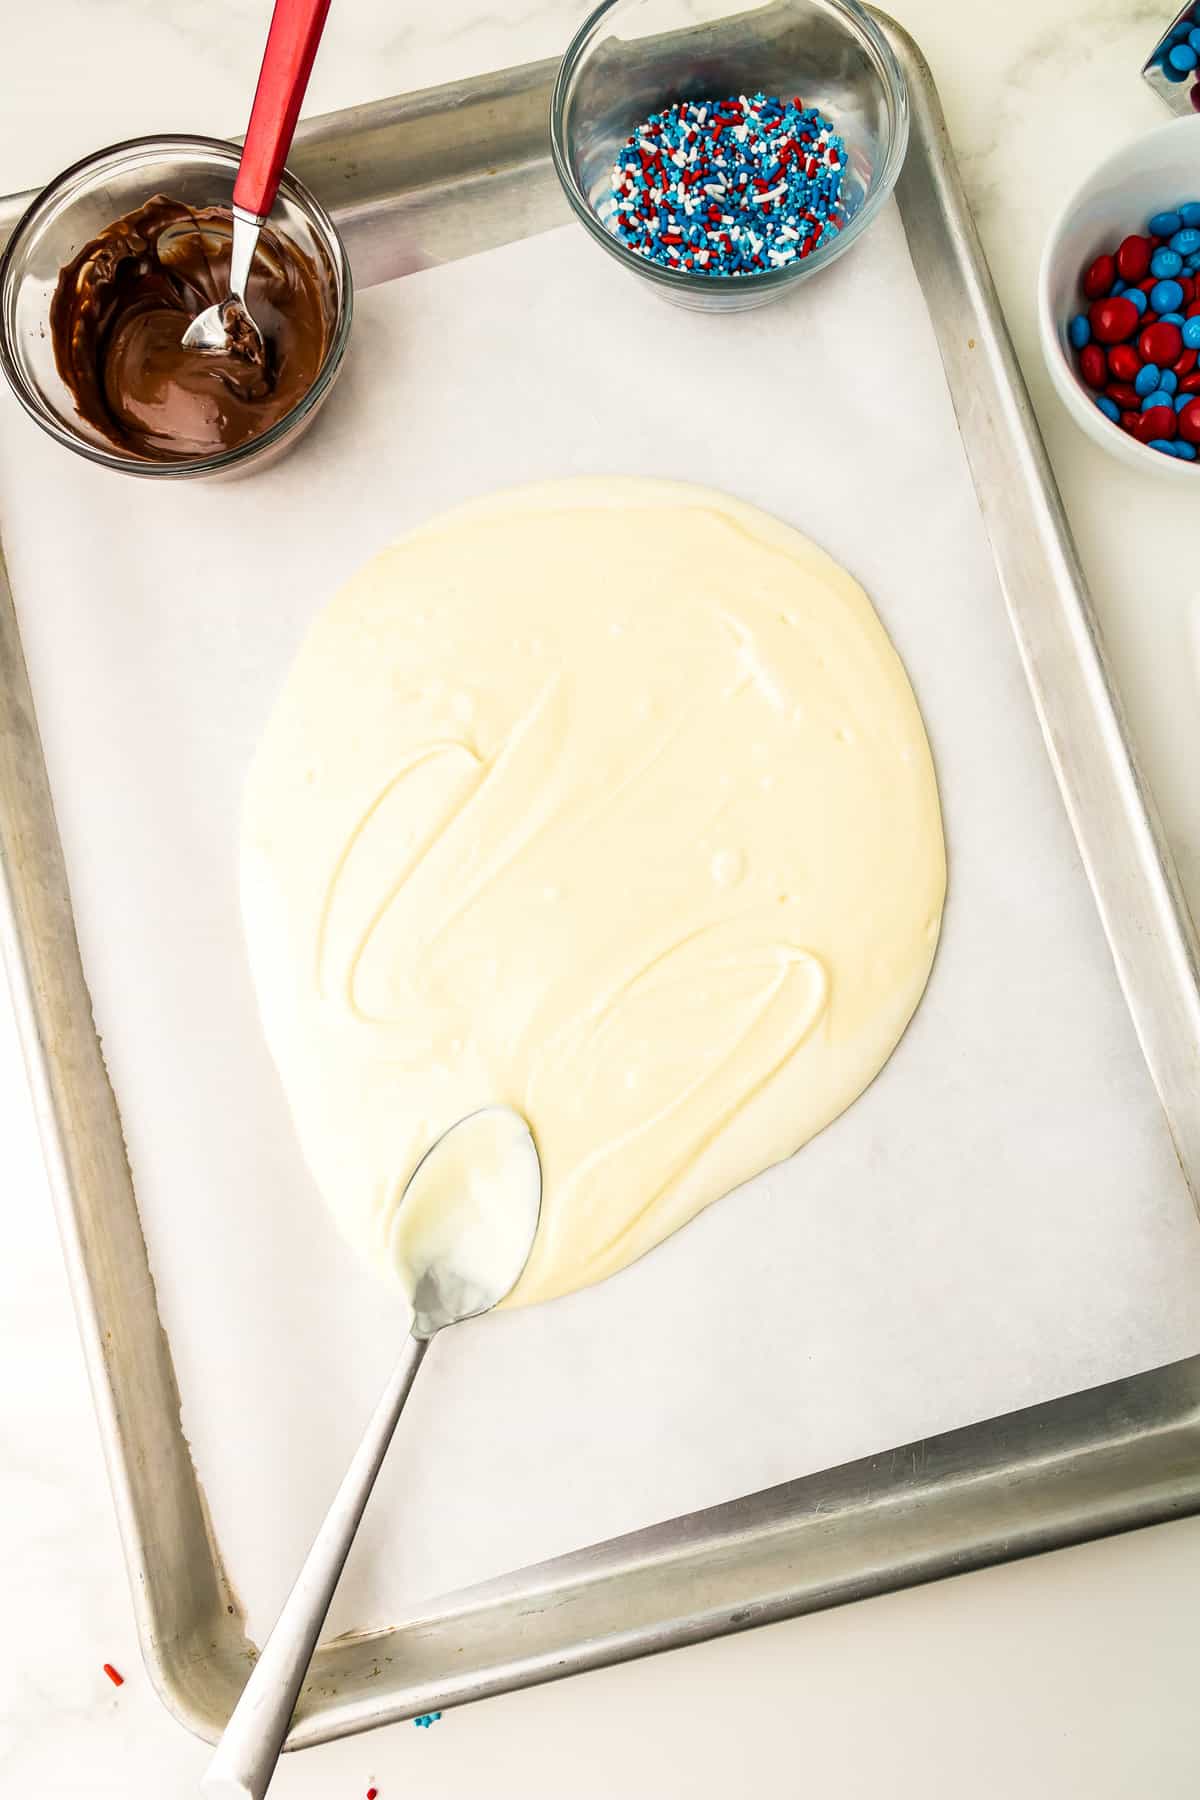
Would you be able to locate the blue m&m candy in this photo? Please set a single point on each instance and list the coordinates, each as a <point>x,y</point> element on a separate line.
<point>1190,332</point>
<point>1166,224</point>
<point>1186,242</point>
<point>1165,263</point>
<point>1108,407</point>
<point>1146,380</point>
<point>1166,297</point>
<point>1190,214</point>
<point>1182,57</point>
<point>1080,332</point>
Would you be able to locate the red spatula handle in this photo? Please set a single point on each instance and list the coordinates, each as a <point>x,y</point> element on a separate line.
<point>296,27</point>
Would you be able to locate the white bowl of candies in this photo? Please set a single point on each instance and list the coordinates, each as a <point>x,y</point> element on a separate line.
<point>1119,303</point>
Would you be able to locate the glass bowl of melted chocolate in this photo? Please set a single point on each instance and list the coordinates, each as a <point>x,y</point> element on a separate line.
<point>101,279</point>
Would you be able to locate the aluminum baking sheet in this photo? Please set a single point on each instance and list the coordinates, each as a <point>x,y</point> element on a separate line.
<point>1113,1457</point>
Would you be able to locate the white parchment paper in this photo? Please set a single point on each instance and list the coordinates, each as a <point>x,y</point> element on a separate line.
<point>1000,1219</point>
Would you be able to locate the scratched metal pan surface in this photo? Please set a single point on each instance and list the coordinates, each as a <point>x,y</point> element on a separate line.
<point>428,178</point>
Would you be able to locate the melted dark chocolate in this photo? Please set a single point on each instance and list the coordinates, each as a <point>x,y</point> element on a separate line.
<point>121,308</point>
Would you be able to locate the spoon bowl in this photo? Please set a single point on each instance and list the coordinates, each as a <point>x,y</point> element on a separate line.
<point>229,326</point>
<point>467,1219</point>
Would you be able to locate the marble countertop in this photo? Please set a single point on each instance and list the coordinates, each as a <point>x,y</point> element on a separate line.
<point>1069,1675</point>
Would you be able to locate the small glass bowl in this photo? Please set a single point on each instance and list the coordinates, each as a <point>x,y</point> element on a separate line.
<point>635,57</point>
<point>78,205</point>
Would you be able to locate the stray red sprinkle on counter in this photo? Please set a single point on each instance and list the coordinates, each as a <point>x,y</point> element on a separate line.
<point>371,1793</point>
<point>116,1679</point>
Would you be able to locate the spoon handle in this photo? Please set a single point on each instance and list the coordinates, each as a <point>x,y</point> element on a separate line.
<point>244,1760</point>
<point>296,27</point>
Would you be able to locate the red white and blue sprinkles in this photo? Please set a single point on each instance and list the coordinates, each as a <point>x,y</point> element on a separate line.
<point>728,187</point>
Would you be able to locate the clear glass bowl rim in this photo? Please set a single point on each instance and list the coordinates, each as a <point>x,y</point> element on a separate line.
<point>165,144</point>
<point>861,25</point>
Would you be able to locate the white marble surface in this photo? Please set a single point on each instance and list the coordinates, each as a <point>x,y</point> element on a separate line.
<point>1071,1675</point>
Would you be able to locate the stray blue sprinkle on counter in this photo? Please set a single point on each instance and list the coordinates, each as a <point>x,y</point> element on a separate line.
<point>728,187</point>
<point>427,1719</point>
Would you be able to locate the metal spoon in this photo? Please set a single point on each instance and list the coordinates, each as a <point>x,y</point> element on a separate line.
<point>463,1233</point>
<point>296,27</point>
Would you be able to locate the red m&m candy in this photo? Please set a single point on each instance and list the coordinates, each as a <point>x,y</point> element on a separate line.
<point>1160,343</point>
<point>1133,260</point>
<point>1124,362</point>
<point>1099,278</point>
<point>1190,383</point>
<point>1113,320</point>
<point>1188,422</point>
<point>1093,366</point>
<point>1159,422</point>
<point>1124,395</point>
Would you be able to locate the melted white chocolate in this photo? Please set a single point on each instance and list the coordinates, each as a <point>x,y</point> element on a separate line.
<point>609,801</point>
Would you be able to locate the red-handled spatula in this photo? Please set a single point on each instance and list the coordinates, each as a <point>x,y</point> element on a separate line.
<point>296,27</point>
